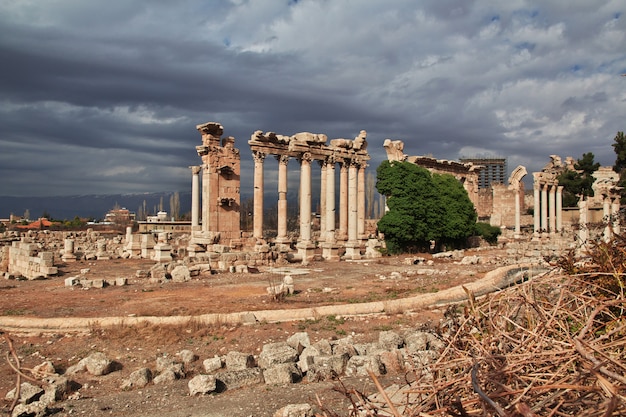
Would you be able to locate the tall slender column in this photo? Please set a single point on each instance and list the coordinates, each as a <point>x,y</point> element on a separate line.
<point>352,203</point>
<point>606,216</point>
<point>361,201</point>
<point>537,206</point>
<point>517,212</point>
<point>195,196</point>
<point>615,214</point>
<point>583,232</point>
<point>259,157</point>
<point>330,200</point>
<point>552,208</point>
<point>305,198</point>
<point>559,208</point>
<point>322,213</point>
<point>544,207</point>
<point>282,198</point>
<point>343,200</point>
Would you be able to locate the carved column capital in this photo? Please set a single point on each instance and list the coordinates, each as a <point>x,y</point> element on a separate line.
<point>305,157</point>
<point>258,156</point>
<point>195,169</point>
<point>282,159</point>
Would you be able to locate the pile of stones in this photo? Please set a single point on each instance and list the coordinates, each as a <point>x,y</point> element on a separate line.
<point>295,360</point>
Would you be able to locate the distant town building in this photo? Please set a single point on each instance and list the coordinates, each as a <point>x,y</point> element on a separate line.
<point>119,216</point>
<point>492,170</point>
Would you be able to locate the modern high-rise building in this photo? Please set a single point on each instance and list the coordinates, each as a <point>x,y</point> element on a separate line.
<point>492,171</point>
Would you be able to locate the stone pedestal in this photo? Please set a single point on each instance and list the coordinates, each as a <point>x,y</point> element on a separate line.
<point>330,251</point>
<point>306,250</point>
<point>162,251</point>
<point>147,243</point>
<point>353,251</point>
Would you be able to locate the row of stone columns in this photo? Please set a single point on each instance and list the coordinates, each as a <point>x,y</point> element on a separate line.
<point>548,207</point>
<point>351,203</point>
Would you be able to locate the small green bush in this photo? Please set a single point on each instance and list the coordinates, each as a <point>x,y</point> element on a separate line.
<point>488,232</point>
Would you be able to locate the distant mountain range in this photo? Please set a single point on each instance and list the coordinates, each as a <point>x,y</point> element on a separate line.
<point>89,206</point>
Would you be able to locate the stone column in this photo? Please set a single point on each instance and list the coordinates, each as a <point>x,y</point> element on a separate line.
<point>323,166</point>
<point>195,194</point>
<point>537,207</point>
<point>552,208</point>
<point>343,200</point>
<point>615,214</point>
<point>282,198</point>
<point>259,157</point>
<point>330,201</point>
<point>68,251</point>
<point>352,245</point>
<point>330,249</point>
<point>305,246</point>
<point>518,218</point>
<point>583,232</point>
<point>361,202</point>
<point>559,208</point>
<point>544,207</point>
<point>606,216</point>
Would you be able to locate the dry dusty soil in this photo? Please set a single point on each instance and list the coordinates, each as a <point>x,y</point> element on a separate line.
<point>134,347</point>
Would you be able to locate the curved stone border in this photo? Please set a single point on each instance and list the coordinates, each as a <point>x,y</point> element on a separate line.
<point>493,281</point>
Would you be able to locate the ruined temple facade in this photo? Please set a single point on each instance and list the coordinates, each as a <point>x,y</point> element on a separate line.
<point>215,220</point>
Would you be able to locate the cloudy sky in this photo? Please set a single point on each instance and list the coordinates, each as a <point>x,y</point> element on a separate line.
<point>103,97</point>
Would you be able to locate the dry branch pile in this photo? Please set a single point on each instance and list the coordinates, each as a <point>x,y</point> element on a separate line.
<point>554,346</point>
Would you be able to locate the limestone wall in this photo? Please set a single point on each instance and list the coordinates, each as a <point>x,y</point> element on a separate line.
<point>25,260</point>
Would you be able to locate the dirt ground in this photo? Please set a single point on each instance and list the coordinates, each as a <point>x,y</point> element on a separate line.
<point>321,283</point>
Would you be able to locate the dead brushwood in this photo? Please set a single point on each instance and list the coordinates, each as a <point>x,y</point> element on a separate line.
<point>552,346</point>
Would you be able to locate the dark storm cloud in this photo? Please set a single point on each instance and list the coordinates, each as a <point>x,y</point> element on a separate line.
<point>105,98</point>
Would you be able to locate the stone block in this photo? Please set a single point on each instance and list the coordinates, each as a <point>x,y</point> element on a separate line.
<point>276,353</point>
<point>359,365</point>
<point>71,281</point>
<point>240,378</point>
<point>202,384</point>
<point>137,379</point>
<point>212,364</point>
<point>283,373</point>
<point>236,361</point>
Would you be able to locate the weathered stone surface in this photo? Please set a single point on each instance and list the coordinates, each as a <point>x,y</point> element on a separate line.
<point>44,369</point>
<point>29,393</point>
<point>299,341</point>
<point>137,379</point>
<point>295,410</point>
<point>359,365</point>
<point>325,368</point>
<point>187,356</point>
<point>390,340</point>
<point>168,375</point>
<point>237,361</point>
<point>212,364</point>
<point>240,378</point>
<point>392,361</point>
<point>96,364</point>
<point>181,274</point>
<point>283,373</point>
<point>275,353</point>
<point>202,384</point>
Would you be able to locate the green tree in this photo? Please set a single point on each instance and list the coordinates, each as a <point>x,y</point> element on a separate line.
<point>578,183</point>
<point>619,145</point>
<point>422,207</point>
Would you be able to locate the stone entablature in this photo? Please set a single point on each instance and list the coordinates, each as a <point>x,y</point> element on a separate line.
<point>25,260</point>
